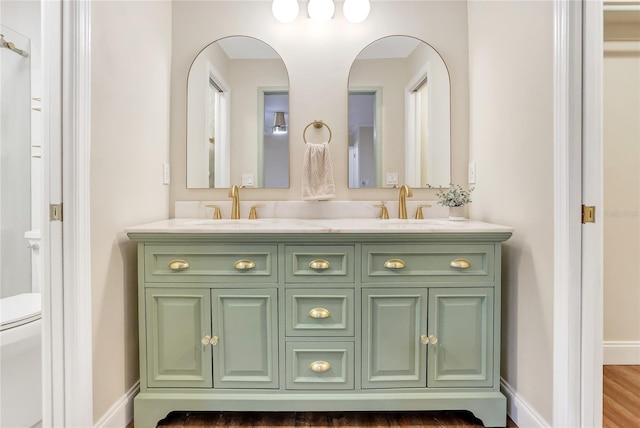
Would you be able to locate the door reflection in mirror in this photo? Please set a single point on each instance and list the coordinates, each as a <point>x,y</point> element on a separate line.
<point>364,162</point>
<point>411,131</point>
<point>229,89</point>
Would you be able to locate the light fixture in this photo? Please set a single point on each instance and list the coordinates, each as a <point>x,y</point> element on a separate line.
<point>321,10</point>
<point>285,11</point>
<point>279,124</point>
<point>356,11</point>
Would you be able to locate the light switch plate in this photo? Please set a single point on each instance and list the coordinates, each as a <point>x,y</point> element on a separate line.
<point>247,180</point>
<point>472,173</point>
<point>166,173</point>
<point>392,178</point>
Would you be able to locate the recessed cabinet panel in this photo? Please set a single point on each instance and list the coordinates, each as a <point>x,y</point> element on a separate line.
<point>245,322</point>
<point>327,312</point>
<point>320,365</point>
<point>211,263</point>
<point>462,321</point>
<point>393,321</point>
<point>419,263</point>
<point>177,320</point>
<point>319,263</point>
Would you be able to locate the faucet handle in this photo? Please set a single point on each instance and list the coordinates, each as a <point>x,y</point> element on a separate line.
<point>419,214</point>
<point>384,213</point>
<point>216,211</point>
<point>253,214</point>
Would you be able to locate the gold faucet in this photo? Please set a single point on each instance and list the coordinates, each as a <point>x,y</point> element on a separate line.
<point>234,192</point>
<point>405,192</point>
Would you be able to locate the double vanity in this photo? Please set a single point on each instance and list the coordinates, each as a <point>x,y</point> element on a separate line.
<point>280,314</point>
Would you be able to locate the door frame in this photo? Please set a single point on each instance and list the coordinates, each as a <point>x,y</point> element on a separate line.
<point>577,353</point>
<point>66,314</point>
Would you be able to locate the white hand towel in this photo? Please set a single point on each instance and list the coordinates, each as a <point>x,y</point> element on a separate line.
<point>317,173</point>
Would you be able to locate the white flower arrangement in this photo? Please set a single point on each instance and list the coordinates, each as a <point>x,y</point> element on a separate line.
<point>454,196</point>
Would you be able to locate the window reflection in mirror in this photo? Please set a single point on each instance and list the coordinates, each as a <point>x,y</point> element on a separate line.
<point>235,86</point>
<point>406,139</point>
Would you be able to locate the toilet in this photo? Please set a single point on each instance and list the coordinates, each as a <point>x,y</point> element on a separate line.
<point>21,352</point>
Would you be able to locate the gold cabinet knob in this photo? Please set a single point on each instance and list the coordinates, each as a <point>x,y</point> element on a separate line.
<point>320,366</point>
<point>244,265</point>
<point>460,264</point>
<point>319,313</point>
<point>428,340</point>
<point>178,264</point>
<point>319,264</point>
<point>210,340</point>
<point>395,264</point>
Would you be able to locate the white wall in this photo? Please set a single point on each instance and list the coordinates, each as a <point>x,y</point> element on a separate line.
<point>318,58</point>
<point>621,103</point>
<point>511,103</point>
<point>131,54</point>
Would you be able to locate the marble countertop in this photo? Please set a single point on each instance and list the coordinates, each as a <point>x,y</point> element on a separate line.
<point>333,225</point>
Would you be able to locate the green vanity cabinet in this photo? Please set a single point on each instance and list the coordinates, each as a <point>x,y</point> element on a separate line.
<point>293,321</point>
<point>177,320</point>
<point>218,338</point>
<point>394,320</point>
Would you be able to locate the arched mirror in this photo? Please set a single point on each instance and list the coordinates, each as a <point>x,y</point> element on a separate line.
<point>399,115</point>
<point>237,116</point>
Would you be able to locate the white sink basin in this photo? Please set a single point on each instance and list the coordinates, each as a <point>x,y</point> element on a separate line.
<point>224,222</point>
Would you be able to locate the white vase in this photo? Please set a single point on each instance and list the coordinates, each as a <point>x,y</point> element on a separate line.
<point>456,213</point>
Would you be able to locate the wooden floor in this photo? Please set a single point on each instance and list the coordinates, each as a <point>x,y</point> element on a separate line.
<point>322,419</point>
<point>621,396</point>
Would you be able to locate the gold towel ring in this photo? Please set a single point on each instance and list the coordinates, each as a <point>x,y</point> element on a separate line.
<point>316,124</point>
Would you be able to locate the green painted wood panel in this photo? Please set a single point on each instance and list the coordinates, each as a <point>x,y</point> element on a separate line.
<point>176,321</point>
<point>429,262</point>
<point>338,355</point>
<point>246,322</point>
<point>338,303</point>
<point>393,321</point>
<point>211,263</point>
<point>462,320</point>
<point>341,259</point>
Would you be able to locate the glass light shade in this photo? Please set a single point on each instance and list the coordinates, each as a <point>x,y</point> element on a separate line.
<point>321,10</point>
<point>279,124</point>
<point>356,11</point>
<point>285,11</point>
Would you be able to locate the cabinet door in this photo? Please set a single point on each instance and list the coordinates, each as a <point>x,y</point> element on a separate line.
<point>245,322</point>
<point>462,321</point>
<point>176,322</point>
<point>393,321</point>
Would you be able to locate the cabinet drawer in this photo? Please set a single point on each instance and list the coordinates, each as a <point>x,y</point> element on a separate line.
<point>419,263</point>
<point>319,365</point>
<point>329,312</point>
<point>323,263</point>
<point>211,263</point>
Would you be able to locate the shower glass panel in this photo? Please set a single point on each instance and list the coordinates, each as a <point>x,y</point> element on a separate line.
<point>15,163</point>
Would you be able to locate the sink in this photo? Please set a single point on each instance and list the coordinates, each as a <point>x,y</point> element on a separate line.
<point>224,222</point>
<point>413,221</point>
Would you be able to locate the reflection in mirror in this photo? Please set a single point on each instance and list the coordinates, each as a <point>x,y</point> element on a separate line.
<point>237,116</point>
<point>399,115</point>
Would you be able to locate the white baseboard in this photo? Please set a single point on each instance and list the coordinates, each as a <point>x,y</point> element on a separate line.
<point>621,353</point>
<point>520,411</point>
<point>121,413</point>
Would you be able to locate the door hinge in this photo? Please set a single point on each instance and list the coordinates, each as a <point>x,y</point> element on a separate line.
<point>588,214</point>
<point>55,212</point>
